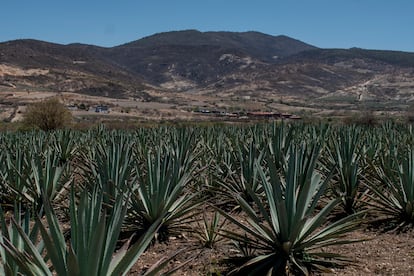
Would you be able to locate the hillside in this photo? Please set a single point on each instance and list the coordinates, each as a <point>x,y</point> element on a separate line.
<point>216,69</point>
<point>190,59</point>
<point>71,68</point>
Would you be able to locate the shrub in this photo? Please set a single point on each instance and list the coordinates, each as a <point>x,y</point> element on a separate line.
<point>47,115</point>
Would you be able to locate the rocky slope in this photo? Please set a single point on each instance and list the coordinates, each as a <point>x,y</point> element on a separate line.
<point>250,65</point>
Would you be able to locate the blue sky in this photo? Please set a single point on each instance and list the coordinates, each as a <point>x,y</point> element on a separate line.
<point>372,24</point>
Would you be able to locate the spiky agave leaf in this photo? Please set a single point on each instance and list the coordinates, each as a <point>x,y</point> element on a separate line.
<point>345,155</point>
<point>19,252</point>
<point>208,231</point>
<point>284,226</point>
<point>241,171</point>
<point>95,230</point>
<point>395,197</point>
<point>13,242</point>
<point>111,165</point>
<point>161,194</point>
<point>14,172</point>
<point>94,235</point>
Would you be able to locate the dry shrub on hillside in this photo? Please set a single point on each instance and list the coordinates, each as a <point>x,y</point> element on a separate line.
<point>47,115</point>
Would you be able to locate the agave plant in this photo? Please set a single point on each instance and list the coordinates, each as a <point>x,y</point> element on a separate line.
<point>112,167</point>
<point>14,230</point>
<point>241,171</point>
<point>216,158</point>
<point>26,174</point>
<point>93,240</point>
<point>345,156</point>
<point>14,172</point>
<point>106,162</point>
<point>280,140</point>
<point>183,146</point>
<point>393,189</point>
<point>161,195</point>
<point>284,230</point>
<point>66,143</point>
<point>208,232</point>
<point>47,179</point>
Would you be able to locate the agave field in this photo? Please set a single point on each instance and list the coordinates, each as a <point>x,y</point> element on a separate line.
<point>277,197</point>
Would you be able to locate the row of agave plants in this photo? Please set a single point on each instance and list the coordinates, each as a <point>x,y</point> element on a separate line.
<point>90,203</point>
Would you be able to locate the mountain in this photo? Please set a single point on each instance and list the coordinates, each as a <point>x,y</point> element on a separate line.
<point>192,58</point>
<point>31,65</point>
<point>261,46</point>
<point>250,65</point>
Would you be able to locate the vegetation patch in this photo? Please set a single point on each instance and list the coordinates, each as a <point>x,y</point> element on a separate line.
<point>269,198</point>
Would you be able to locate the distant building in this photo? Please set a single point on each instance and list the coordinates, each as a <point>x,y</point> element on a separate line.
<point>102,109</point>
<point>263,114</point>
<point>72,107</point>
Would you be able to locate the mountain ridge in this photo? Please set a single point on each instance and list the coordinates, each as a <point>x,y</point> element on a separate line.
<point>235,65</point>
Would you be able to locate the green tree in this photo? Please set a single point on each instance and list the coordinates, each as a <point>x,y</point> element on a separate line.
<point>47,115</point>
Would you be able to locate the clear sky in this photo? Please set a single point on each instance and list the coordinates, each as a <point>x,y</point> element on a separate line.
<point>372,24</point>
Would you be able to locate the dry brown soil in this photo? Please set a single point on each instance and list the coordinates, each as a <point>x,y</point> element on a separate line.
<point>380,254</point>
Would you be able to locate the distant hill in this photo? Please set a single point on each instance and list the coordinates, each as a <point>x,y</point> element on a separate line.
<point>74,68</point>
<point>263,47</point>
<point>201,58</point>
<point>395,58</point>
<point>225,63</point>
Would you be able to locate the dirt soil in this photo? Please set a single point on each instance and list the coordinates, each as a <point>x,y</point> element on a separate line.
<point>380,254</point>
<point>174,106</point>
